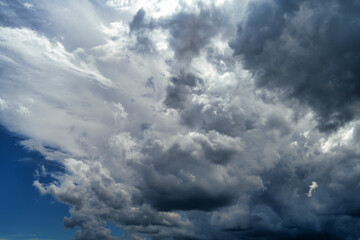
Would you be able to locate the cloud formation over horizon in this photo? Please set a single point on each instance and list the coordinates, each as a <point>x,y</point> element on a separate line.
<point>189,120</point>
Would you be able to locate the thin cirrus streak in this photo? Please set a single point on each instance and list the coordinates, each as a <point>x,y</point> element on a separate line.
<point>189,120</point>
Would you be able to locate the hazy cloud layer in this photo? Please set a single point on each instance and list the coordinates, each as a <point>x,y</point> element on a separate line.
<point>189,120</point>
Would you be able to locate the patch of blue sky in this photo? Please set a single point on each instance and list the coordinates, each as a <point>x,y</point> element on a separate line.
<point>25,214</point>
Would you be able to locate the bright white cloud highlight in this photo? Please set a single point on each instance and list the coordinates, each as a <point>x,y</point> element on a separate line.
<point>312,187</point>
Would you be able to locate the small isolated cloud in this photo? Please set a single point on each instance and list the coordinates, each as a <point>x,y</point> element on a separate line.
<point>28,5</point>
<point>25,159</point>
<point>313,186</point>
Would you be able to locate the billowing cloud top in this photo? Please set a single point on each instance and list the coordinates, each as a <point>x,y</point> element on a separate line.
<point>190,119</point>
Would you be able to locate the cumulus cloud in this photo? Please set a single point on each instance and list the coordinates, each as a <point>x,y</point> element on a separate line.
<point>170,124</point>
<point>307,51</point>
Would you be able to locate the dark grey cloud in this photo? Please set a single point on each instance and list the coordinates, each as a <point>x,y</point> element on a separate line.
<point>173,183</point>
<point>141,28</point>
<point>192,32</point>
<point>180,89</point>
<point>139,23</point>
<point>189,32</point>
<point>309,51</point>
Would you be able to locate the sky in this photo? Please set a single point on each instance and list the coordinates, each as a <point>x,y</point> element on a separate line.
<point>180,120</point>
<point>25,214</point>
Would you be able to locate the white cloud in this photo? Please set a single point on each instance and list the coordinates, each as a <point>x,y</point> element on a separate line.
<point>341,138</point>
<point>3,104</point>
<point>28,5</point>
<point>84,96</point>
<point>312,187</point>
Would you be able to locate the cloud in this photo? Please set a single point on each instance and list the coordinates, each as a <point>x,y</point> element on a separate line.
<point>312,187</point>
<point>165,133</point>
<point>302,50</point>
<point>178,92</point>
<point>178,180</point>
<point>188,32</point>
<point>192,32</point>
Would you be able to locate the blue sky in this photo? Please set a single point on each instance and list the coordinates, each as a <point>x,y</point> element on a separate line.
<point>25,214</point>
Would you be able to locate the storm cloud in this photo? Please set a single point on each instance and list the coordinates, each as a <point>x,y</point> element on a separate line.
<point>306,50</point>
<point>189,120</point>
